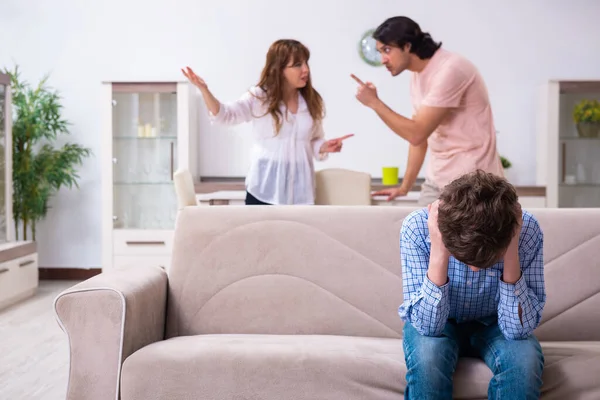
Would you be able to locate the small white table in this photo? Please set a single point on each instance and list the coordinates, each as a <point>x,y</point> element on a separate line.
<point>238,197</point>
<point>222,198</point>
<point>411,199</point>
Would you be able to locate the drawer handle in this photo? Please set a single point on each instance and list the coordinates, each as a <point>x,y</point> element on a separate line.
<point>143,243</point>
<point>26,263</point>
<point>3,270</point>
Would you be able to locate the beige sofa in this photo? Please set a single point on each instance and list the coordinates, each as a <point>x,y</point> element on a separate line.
<point>301,303</point>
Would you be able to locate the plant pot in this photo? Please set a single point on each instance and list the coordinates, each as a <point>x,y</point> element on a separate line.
<point>509,175</point>
<point>588,129</point>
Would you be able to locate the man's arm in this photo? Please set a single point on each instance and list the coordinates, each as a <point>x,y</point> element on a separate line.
<point>522,292</point>
<point>424,279</point>
<point>416,156</point>
<point>445,94</point>
<point>417,130</point>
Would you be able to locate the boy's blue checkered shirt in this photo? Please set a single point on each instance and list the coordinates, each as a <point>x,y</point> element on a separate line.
<point>471,295</point>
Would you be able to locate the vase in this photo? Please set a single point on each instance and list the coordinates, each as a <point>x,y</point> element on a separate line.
<point>588,129</point>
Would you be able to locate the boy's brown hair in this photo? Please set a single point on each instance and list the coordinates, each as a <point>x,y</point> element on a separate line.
<point>477,217</point>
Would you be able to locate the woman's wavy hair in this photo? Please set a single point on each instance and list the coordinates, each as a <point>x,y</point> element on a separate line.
<point>279,56</point>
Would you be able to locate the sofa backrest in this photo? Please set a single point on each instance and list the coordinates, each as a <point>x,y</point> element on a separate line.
<point>572,274</point>
<point>336,270</point>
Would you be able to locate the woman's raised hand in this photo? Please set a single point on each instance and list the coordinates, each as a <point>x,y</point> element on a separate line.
<point>194,79</point>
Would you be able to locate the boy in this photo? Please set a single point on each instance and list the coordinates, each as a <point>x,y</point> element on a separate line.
<point>473,282</point>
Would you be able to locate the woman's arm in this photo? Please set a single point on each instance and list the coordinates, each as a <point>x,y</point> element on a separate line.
<point>228,114</point>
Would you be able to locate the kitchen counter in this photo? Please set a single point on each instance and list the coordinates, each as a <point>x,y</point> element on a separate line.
<point>209,185</point>
<point>237,197</point>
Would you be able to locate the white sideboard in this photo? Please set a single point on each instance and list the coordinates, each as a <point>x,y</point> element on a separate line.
<point>18,271</point>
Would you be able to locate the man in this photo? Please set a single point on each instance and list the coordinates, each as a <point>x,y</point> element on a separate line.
<point>473,282</point>
<point>452,112</point>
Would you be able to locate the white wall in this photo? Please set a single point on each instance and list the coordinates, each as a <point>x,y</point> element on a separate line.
<point>516,45</point>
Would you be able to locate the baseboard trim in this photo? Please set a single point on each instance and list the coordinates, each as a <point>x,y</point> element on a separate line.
<point>67,274</point>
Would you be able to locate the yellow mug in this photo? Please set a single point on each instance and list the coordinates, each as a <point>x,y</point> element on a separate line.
<point>390,176</point>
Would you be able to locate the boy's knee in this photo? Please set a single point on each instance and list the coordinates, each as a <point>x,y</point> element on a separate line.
<point>432,350</point>
<point>430,353</point>
<point>531,359</point>
<point>524,360</point>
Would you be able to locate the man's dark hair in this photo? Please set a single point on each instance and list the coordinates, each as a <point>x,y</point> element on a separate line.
<point>477,216</point>
<point>400,31</point>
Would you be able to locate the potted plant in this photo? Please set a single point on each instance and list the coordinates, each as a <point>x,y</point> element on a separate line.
<point>586,115</point>
<point>40,168</point>
<point>506,167</point>
<point>505,163</point>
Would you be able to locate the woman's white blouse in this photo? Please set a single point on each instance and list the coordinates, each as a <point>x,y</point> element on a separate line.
<point>282,168</point>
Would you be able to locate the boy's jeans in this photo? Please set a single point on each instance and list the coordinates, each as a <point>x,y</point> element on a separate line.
<point>517,364</point>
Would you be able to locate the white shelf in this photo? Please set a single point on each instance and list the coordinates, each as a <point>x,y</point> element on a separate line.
<point>562,155</point>
<point>18,259</point>
<point>151,131</point>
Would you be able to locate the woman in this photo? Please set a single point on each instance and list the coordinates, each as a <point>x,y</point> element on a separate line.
<point>287,115</point>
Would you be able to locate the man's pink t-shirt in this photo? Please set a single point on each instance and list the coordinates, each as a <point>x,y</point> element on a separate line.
<point>466,139</point>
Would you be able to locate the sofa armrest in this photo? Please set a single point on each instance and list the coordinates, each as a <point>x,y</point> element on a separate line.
<point>107,318</point>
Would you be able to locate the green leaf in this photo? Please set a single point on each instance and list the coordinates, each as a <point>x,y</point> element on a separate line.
<point>505,163</point>
<point>40,168</point>
<point>587,111</point>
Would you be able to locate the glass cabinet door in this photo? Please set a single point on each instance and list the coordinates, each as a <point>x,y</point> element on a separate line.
<point>144,121</point>
<point>5,128</point>
<point>579,149</point>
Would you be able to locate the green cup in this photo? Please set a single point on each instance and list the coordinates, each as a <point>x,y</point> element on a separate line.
<point>390,176</point>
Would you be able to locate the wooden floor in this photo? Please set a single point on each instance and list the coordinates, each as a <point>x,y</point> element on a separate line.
<point>34,357</point>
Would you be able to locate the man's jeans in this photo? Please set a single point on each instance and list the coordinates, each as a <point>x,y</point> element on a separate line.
<point>517,364</point>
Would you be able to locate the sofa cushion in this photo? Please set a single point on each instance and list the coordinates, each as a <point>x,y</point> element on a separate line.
<point>277,367</point>
<point>226,367</point>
